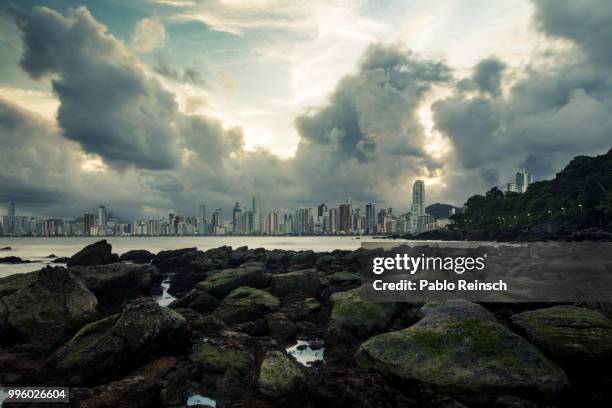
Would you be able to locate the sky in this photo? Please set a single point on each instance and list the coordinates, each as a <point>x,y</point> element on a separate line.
<point>155,106</point>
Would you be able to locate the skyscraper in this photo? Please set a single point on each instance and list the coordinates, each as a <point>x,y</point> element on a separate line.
<point>10,228</point>
<point>237,212</point>
<point>369,218</point>
<point>89,222</point>
<point>257,214</point>
<point>345,219</point>
<point>321,210</point>
<point>202,221</point>
<point>418,203</point>
<point>102,216</point>
<point>523,179</point>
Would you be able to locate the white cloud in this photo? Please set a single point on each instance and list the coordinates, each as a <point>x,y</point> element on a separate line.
<point>149,35</point>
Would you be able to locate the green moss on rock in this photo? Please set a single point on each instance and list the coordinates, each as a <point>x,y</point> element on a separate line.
<point>278,375</point>
<point>460,349</point>
<point>570,335</point>
<point>217,357</point>
<point>353,317</point>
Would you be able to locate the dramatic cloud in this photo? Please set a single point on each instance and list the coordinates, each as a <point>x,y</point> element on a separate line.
<point>149,35</point>
<point>188,75</point>
<point>554,111</point>
<point>108,104</point>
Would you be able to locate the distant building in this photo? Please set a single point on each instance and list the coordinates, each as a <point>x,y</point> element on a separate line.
<point>202,221</point>
<point>321,210</point>
<point>89,223</point>
<point>418,204</point>
<point>523,179</point>
<point>102,217</point>
<point>345,220</point>
<point>257,216</point>
<point>511,188</point>
<point>10,221</point>
<point>369,218</point>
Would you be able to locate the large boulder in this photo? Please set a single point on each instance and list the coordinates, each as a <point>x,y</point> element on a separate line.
<point>278,375</point>
<point>460,349</point>
<point>119,342</point>
<point>354,318</point>
<point>13,283</point>
<point>198,300</point>
<point>220,357</point>
<point>570,335</point>
<point>133,392</point>
<point>245,303</point>
<point>113,284</point>
<point>304,282</point>
<point>220,283</point>
<point>137,256</point>
<point>50,306</point>
<point>98,253</point>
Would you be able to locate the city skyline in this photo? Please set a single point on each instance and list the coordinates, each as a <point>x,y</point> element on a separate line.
<point>343,219</point>
<point>151,106</point>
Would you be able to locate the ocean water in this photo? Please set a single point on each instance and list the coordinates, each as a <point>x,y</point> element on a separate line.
<point>39,248</point>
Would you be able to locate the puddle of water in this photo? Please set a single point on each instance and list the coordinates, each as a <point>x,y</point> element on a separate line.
<point>305,354</point>
<point>197,399</point>
<point>165,298</point>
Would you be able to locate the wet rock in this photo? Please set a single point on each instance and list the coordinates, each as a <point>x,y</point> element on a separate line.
<point>353,318</point>
<point>304,282</point>
<point>246,303</point>
<point>13,260</point>
<point>220,283</point>
<point>278,375</point>
<point>133,392</point>
<point>98,253</point>
<point>570,335</point>
<point>137,256</point>
<point>116,283</point>
<point>344,278</point>
<point>220,357</point>
<point>280,327</point>
<point>6,248</point>
<point>198,300</point>
<point>311,305</point>
<point>119,342</point>
<point>51,256</point>
<point>460,349</point>
<point>12,283</point>
<point>51,306</point>
<point>63,260</point>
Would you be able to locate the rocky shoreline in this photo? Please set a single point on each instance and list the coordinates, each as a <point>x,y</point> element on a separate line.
<point>243,318</point>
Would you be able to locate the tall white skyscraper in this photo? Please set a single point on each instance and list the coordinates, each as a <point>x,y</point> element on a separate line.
<point>418,203</point>
<point>202,221</point>
<point>257,214</point>
<point>102,216</point>
<point>523,179</point>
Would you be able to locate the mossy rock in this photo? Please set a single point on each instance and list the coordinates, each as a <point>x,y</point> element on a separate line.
<point>219,358</point>
<point>344,278</point>
<point>311,305</point>
<point>352,317</point>
<point>246,303</point>
<point>460,349</point>
<point>305,282</point>
<point>220,283</point>
<point>571,335</point>
<point>278,375</point>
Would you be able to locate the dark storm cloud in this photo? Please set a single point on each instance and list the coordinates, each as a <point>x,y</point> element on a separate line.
<point>555,111</point>
<point>588,23</point>
<point>368,137</point>
<point>188,75</point>
<point>488,76</point>
<point>108,104</point>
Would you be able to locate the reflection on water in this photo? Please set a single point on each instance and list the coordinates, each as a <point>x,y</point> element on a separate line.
<point>165,298</point>
<point>307,352</point>
<point>197,399</point>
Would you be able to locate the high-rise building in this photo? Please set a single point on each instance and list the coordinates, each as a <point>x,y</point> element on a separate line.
<point>272,223</point>
<point>321,210</point>
<point>237,212</point>
<point>344,218</point>
<point>369,218</point>
<point>523,179</point>
<point>10,221</point>
<point>89,222</point>
<point>257,216</point>
<point>217,219</point>
<point>418,204</point>
<point>332,227</point>
<point>202,221</point>
<point>102,216</point>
